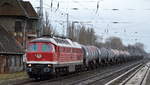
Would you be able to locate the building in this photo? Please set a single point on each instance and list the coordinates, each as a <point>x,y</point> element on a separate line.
<point>18,24</point>
<point>19,18</point>
<point>11,53</point>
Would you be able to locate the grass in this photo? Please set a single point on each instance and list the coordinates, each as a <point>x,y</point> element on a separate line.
<point>18,75</point>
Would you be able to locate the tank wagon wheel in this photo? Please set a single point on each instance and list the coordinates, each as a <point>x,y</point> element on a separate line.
<point>111,62</point>
<point>98,63</point>
<point>102,62</point>
<point>86,68</point>
<point>91,66</point>
<point>95,65</point>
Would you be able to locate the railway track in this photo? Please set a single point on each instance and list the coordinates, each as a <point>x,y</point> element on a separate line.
<point>104,76</point>
<point>82,78</point>
<point>138,77</point>
<point>135,76</point>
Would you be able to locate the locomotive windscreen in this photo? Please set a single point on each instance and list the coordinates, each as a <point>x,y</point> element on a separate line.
<point>40,47</point>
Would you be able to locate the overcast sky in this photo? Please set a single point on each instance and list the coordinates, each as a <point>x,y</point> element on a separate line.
<point>133,17</point>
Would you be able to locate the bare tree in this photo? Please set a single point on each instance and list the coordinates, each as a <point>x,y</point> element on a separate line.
<point>47,27</point>
<point>82,34</point>
<point>139,45</point>
<point>114,42</point>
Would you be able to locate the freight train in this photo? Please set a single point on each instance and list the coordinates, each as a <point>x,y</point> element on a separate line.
<point>47,56</point>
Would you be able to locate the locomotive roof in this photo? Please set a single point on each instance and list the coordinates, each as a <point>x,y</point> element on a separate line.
<point>58,41</point>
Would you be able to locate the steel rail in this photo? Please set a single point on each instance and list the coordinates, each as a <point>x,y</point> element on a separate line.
<point>101,76</point>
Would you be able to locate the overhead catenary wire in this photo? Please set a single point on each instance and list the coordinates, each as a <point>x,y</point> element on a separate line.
<point>60,12</point>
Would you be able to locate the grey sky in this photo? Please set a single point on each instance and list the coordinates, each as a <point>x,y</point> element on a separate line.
<point>133,17</point>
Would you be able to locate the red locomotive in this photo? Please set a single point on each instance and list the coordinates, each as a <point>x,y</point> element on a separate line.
<point>52,56</point>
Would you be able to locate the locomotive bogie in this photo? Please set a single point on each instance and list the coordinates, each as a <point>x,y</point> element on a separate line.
<point>38,71</point>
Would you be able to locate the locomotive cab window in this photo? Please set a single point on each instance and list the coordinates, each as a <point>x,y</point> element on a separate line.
<point>46,48</point>
<point>33,47</point>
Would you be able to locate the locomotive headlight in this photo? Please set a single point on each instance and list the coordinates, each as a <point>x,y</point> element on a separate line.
<point>49,65</point>
<point>29,65</point>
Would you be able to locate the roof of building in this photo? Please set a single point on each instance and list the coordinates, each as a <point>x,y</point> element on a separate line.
<point>17,8</point>
<point>8,44</point>
<point>29,9</point>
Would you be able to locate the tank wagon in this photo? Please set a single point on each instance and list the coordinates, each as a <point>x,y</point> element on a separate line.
<point>48,56</point>
<point>91,56</point>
